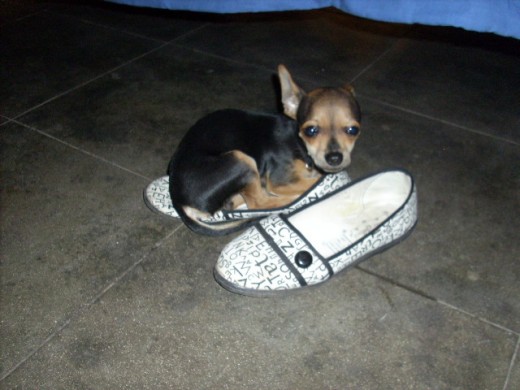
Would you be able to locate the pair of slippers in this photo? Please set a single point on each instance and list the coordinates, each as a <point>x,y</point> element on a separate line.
<point>334,225</point>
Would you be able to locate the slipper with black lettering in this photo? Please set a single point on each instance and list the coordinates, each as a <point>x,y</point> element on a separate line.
<point>157,197</point>
<point>311,244</point>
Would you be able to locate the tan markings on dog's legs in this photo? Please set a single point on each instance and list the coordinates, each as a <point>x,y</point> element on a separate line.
<point>234,202</point>
<point>255,195</point>
<point>304,178</point>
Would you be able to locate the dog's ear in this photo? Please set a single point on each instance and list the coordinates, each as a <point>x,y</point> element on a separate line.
<point>350,89</point>
<point>292,94</point>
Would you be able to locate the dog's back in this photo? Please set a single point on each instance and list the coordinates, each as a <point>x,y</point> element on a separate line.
<point>271,140</point>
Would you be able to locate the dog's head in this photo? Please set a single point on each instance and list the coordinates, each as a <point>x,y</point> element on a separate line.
<point>329,121</point>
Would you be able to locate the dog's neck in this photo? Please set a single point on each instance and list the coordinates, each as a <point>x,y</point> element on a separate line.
<point>309,163</point>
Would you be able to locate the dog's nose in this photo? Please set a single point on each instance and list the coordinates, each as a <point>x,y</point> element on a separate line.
<point>334,158</point>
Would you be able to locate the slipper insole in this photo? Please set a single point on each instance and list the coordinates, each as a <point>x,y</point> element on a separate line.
<point>344,218</point>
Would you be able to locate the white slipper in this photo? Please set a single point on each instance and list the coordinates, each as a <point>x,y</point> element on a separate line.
<point>157,197</point>
<point>310,245</point>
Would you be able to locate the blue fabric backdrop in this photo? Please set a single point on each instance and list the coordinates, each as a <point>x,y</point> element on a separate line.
<point>495,16</point>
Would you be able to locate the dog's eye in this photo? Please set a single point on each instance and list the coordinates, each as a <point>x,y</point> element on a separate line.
<point>353,130</point>
<point>311,131</point>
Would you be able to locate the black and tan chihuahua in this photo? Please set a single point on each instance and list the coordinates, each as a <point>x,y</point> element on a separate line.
<point>231,157</point>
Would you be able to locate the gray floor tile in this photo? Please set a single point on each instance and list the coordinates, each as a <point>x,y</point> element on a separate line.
<point>465,249</point>
<point>136,115</point>
<point>13,10</point>
<point>169,325</point>
<point>44,55</point>
<point>69,225</point>
<point>514,379</point>
<point>456,81</point>
<point>324,47</point>
<point>148,22</point>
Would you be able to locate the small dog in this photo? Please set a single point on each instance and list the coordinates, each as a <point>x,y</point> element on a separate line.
<point>231,157</point>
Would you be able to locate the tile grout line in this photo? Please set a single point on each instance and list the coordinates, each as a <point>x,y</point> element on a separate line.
<point>380,57</point>
<point>83,307</point>
<point>381,102</point>
<point>37,348</point>
<point>511,365</point>
<point>482,319</point>
<point>436,300</point>
<point>16,119</point>
<point>395,283</point>
<point>368,67</point>
<point>188,33</point>
<point>76,148</point>
<point>91,23</point>
<point>443,121</point>
<point>223,58</point>
<point>4,121</point>
<point>29,15</point>
<point>171,42</point>
<point>81,85</point>
<point>123,31</point>
<point>259,67</point>
<point>118,278</point>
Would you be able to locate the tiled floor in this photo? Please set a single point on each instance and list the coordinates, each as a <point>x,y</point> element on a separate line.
<point>97,292</point>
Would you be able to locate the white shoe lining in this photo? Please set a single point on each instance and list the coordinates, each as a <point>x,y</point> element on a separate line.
<point>339,221</point>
